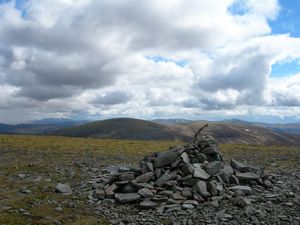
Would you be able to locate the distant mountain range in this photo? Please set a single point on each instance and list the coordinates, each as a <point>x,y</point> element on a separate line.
<point>239,133</point>
<point>59,121</point>
<point>43,126</point>
<point>287,128</point>
<point>123,128</point>
<point>226,131</point>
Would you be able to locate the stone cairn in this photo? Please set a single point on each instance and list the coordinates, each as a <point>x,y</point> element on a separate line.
<point>183,176</point>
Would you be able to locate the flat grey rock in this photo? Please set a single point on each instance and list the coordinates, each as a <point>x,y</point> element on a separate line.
<point>146,193</point>
<point>239,165</point>
<point>166,177</point>
<point>125,176</point>
<point>227,170</point>
<point>247,176</point>
<point>124,198</point>
<point>148,204</point>
<point>167,193</point>
<point>213,167</point>
<point>178,196</point>
<point>187,206</point>
<point>200,173</point>
<point>143,185</point>
<point>144,178</point>
<point>245,189</point>
<point>192,202</point>
<point>63,188</point>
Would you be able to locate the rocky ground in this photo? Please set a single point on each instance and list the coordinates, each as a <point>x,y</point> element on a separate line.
<point>278,205</point>
<point>51,188</point>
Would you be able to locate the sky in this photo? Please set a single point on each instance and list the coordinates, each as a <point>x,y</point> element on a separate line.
<point>208,59</point>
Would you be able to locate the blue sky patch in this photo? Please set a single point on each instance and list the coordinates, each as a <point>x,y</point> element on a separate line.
<point>285,68</point>
<point>21,5</point>
<point>159,58</point>
<point>238,8</point>
<point>288,20</point>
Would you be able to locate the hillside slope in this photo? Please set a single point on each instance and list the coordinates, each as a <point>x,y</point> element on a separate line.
<point>123,128</point>
<point>238,133</point>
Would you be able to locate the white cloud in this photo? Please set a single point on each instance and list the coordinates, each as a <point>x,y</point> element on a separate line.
<point>285,91</point>
<point>66,57</point>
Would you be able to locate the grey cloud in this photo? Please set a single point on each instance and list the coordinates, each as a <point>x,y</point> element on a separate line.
<point>112,98</point>
<point>50,75</point>
<point>247,76</point>
<point>54,71</point>
<point>59,61</point>
<point>150,28</point>
<point>16,103</point>
<point>207,103</point>
<point>44,93</point>
<point>282,99</point>
<point>213,104</point>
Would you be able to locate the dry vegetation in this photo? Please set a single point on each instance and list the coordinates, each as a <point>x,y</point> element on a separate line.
<point>48,160</point>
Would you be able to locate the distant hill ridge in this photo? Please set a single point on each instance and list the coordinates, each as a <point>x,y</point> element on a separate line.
<point>43,126</point>
<point>123,128</point>
<point>228,131</point>
<point>240,133</point>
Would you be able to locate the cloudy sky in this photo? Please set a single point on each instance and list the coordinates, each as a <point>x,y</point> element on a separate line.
<point>195,59</point>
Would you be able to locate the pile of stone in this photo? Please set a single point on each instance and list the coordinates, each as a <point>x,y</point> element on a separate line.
<point>181,177</point>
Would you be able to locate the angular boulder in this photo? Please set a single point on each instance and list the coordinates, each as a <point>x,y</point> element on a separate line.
<point>213,167</point>
<point>185,157</point>
<point>144,178</point>
<point>146,193</point>
<point>64,189</point>
<point>239,165</point>
<point>200,173</point>
<point>247,176</point>
<point>245,189</point>
<point>164,158</point>
<point>124,198</point>
<point>166,177</point>
<point>110,190</point>
<point>202,189</point>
